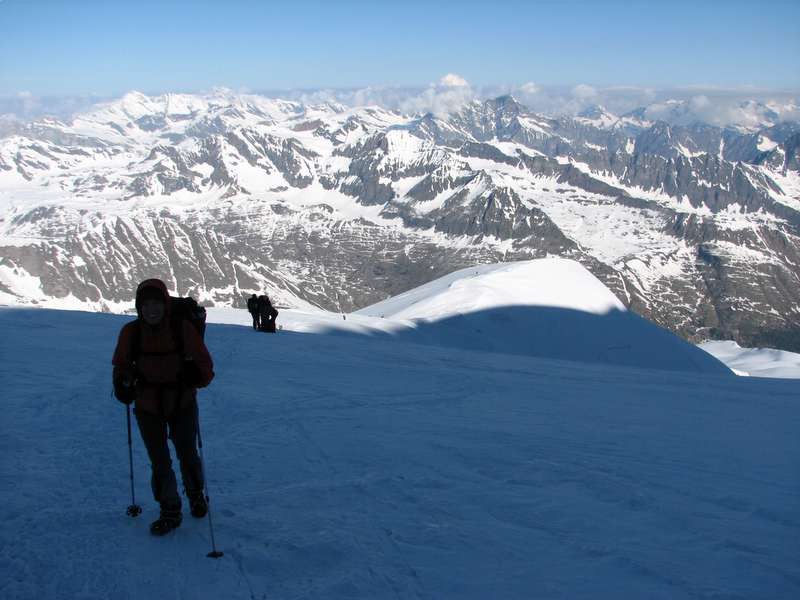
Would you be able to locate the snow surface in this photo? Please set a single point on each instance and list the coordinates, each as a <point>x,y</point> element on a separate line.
<point>789,183</point>
<point>367,467</point>
<point>549,307</point>
<point>756,362</point>
<point>611,231</point>
<point>553,282</point>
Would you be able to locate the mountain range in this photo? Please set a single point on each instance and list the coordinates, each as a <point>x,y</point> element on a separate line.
<point>693,226</point>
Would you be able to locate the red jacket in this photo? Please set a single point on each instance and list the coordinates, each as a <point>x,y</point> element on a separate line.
<point>159,364</point>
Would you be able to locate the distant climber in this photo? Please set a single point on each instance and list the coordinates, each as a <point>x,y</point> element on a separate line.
<point>267,314</point>
<point>252,308</point>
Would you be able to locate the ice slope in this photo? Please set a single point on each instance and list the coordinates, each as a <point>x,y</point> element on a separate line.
<point>550,308</point>
<point>756,362</point>
<point>356,467</point>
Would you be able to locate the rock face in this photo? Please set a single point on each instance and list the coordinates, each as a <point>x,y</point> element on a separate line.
<point>692,226</point>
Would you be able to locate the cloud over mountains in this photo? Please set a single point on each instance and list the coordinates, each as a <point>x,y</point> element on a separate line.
<point>713,105</point>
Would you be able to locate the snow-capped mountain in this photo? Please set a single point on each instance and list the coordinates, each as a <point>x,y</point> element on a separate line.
<point>693,226</point>
<point>748,116</point>
<point>598,116</point>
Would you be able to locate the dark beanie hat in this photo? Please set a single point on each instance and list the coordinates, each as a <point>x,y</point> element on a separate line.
<point>149,289</point>
<point>150,293</point>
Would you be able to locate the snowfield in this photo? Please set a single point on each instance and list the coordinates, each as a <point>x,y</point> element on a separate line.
<point>755,362</point>
<point>411,456</point>
<point>351,466</point>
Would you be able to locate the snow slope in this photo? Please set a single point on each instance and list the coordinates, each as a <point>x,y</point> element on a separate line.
<point>756,362</point>
<point>550,308</point>
<point>357,467</point>
<point>554,282</point>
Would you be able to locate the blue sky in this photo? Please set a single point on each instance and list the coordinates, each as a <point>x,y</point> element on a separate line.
<point>84,47</point>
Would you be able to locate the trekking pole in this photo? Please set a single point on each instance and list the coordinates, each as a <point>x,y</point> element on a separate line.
<point>134,510</point>
<point>214,552</point>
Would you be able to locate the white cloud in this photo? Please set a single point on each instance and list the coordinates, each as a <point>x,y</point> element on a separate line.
<point>584,92</point>
<point>438,100</point>
<point>699,102</point>
<point>724,110</point>
<point>453,80</point>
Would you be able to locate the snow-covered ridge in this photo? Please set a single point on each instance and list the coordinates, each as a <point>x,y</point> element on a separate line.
<point>548,308</point>
<point>553,282</point>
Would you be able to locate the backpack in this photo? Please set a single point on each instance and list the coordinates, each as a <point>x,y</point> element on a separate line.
<point>187,309</point>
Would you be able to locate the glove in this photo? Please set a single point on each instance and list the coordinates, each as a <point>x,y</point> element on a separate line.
<point>125,387</point>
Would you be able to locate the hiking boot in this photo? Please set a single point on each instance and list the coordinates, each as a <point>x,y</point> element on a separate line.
<point>198,506</point>
<point>169,519</point>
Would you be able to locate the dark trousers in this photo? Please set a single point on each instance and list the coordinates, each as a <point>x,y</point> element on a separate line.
<point>256,324</point>
<point>181,428</point>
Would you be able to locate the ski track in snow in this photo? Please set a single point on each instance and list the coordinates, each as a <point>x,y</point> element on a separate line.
<point>345,466</point>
